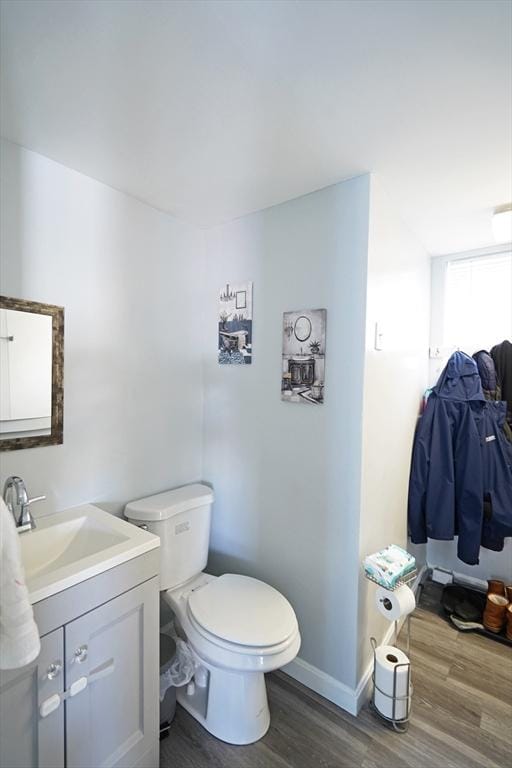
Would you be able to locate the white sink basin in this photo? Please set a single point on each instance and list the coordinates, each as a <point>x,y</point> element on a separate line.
<point>77,544</point>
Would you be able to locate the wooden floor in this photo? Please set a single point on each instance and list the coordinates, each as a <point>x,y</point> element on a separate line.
<point>461,716</point>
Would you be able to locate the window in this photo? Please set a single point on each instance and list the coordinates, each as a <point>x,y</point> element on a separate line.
<point>471,304</point>
<point>478,302</point>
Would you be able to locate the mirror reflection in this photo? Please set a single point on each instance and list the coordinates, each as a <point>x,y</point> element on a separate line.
<point>25,373</point>
<point>31,365</point>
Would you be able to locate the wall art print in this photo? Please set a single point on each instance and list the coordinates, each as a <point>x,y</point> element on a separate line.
<point>303,367</point>
<point>235,324</point>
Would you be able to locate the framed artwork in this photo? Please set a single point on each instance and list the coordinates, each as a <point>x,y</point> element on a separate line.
<point>303,359</point>
<point>235,325</point>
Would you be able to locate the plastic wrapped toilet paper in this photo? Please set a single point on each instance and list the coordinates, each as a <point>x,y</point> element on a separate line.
<point>387,657</point>
<point>389,565</point>
<point>394,605</point>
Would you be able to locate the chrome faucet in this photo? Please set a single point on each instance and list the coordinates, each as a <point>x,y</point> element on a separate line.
<point>18,503</point>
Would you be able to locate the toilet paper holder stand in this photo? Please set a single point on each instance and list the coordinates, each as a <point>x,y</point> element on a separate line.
<point>399,724</point>
<point>408,581</point>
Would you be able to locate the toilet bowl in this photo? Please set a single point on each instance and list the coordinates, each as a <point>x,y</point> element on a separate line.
<point>237,627</point>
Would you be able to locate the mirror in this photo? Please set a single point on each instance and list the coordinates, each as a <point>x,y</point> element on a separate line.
<point>302,329</point>
<point>31,374</point>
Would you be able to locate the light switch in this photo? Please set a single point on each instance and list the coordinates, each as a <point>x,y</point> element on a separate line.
<point>379,337</point>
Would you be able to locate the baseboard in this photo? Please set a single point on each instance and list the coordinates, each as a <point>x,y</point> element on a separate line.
<point>349,699</point>
<point>322,683</point>
<point>464,578</point>
<point>470,581</point>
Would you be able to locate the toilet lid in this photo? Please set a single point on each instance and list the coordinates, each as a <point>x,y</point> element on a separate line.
<point>243,610</point>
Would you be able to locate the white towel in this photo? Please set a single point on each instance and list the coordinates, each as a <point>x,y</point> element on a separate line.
<point>19,636</point>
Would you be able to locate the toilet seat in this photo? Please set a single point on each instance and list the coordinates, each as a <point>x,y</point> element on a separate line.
<point>233,649</point>
<point>241,613</point>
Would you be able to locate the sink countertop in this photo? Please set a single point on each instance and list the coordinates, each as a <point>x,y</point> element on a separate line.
<point>69,547</point>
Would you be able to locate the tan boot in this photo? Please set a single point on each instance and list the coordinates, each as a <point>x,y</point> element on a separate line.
<point>495,614</point>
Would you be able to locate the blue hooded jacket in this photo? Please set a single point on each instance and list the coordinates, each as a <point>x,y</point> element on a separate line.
<point>446,487</point>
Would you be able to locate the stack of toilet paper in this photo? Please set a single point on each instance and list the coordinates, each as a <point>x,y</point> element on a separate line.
<point>392,682</point>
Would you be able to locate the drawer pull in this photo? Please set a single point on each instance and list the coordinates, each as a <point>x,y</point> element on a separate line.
<point>54,669</point>
<point>81,654</point>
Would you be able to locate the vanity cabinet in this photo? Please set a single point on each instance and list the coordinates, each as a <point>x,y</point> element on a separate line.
<point>302,372</point>
<point>104,664</point>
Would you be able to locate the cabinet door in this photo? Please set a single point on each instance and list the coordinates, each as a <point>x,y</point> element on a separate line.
<point>28,740</point>
<point>114,721</point>
<point>295,370</point>
<point>308,373</point>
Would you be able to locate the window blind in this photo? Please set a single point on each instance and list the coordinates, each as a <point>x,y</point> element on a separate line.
<point>478,302</point>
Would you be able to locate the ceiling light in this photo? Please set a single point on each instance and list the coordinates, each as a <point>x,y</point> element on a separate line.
<point>502,224</point>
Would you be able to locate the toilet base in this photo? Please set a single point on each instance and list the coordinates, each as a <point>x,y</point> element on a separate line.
<point>233,706</point>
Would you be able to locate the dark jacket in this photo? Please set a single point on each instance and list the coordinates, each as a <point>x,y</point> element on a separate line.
<point>488,375</point>
<point>446,484</point>
<point>497,457</point>
<point>490,384</point>
<point>502,356</point>
<point>497,479</point>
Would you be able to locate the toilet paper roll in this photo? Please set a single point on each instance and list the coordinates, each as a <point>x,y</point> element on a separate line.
<point>395,604</point>
<point>387,657</point>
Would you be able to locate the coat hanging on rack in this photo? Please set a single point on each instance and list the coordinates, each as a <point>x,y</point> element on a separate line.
<point>502,356</point>
<point>446,483</point>
<point>461,465</point>
<point>491,386</point>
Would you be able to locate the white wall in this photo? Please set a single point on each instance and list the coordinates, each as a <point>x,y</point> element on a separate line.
<point>395,378</point>
<point>286,475</point>
<point>126,276</point>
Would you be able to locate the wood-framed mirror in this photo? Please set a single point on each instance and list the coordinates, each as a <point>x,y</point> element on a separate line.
<point>31,374</point>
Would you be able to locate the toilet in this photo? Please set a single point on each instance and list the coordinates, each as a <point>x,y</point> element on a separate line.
<point>237,627</point>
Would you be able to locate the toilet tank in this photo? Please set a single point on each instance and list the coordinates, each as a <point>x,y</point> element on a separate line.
<point>181,518</point>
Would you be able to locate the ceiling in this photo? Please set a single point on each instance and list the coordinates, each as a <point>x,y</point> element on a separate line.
<point>210,110</point>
